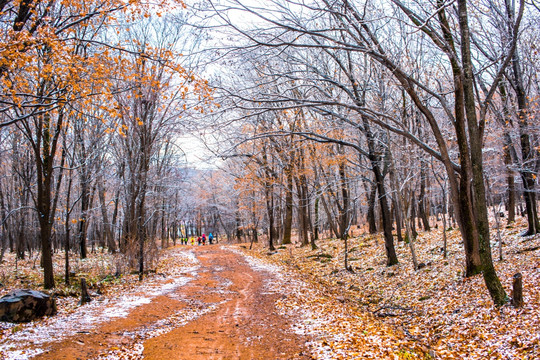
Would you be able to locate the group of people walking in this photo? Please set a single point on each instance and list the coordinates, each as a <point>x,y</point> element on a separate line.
<point>201,240</point>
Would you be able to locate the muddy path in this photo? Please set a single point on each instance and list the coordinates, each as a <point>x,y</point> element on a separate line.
<point>225,312</point>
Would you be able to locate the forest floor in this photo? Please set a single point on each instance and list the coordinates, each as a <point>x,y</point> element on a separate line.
<point>444,314</point>
<point>228,302</point>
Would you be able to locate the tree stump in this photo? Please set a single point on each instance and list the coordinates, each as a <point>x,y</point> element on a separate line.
<point>85,297</point>
<point>517,291</point>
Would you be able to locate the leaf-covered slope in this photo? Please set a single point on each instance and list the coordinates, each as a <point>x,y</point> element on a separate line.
<point>431,311</point>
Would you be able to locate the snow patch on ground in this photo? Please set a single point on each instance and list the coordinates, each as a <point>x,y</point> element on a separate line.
<point>22,354</point>
<point>272,284</point>
<point>87,317</point>
<point>257,264</point>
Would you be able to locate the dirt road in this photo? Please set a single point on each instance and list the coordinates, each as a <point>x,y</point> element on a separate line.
<point>236,319</point>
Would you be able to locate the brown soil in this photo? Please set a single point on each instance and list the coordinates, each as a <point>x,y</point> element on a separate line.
<point>244,324</point>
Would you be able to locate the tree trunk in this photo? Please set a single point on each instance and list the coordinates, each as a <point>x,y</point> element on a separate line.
<point>372,197</point>
<point>510,156</point>
<point>85,297</point>
<point>410,236</point>
<point>287,223</point>
<point>477,196</point>
<point>270,213</point>
<point>141,229</point>
<point>43,206</point>
<point>44,155</point>
<point>422,200</point>
<point>344,208</point>
<point>329,216</point>
<point>460,186</point>
<point>303,208</point>
<point>511,203</point>
<point>397,217</point>
<point>445,207</point>
<point>107,228</point>
<point>527,172</point>
<point>398,208</point>
<point>376,161</point>
<point>316,222</point>
<point>85,201</point>
<point>527,168</point>
<point>46,253</point>
<point>238,230</point>
<point>67,228</point>
<point>391,257</point>
<point>412,216</point>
